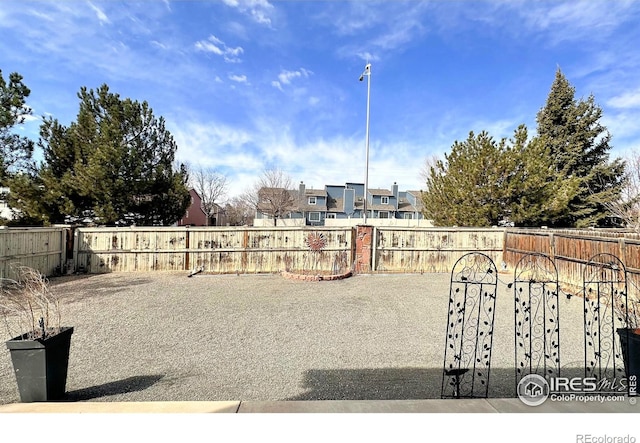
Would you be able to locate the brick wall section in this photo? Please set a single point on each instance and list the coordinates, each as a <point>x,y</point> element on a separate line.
<point>364,239</point>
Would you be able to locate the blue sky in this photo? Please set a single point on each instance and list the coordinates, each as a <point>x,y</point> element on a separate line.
<point>246,85</point>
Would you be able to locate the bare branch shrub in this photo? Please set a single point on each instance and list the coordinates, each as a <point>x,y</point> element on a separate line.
<point>627,206</point>
<point>631,312</point>
<point>27,305</point>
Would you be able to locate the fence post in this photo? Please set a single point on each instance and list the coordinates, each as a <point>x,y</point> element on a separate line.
<point>76,245</point>
<point>623,249</point>
<point>504,245</point>
<point>374,242</point>
<point>188,252</point>
<point>245,244</point>
<point>63,249</point>
<point>552,247</point>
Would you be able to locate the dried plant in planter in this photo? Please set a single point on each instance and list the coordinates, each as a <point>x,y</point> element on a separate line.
<point>634,312</point>
<point>631,312</point>
<point>29,309</point>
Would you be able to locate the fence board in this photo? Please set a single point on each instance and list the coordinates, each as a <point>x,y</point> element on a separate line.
<point>212,249</point>
<point>43,249</point>
<point>572,249</point>
<point>432,249</point>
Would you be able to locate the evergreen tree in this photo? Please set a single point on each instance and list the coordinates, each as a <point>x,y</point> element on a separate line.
<point>562,177</point>
<point>535,196</point>
<point>114,165</point>
<point>467,188</point>
<point>15,151</point>
<point>579,147</point>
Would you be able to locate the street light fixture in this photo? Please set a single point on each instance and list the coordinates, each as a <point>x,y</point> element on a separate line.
<point>367,72</point>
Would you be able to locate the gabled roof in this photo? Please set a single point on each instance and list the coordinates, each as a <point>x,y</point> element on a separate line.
<point>378,207</point>
<point>418,196</point>
<point>405,206</point>
<point>383,192</point>
<point>315,192</point>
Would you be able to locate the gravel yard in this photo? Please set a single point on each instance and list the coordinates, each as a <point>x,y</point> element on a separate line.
<point>163,336</point>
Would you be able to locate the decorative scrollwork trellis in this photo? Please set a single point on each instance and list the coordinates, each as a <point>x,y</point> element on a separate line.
<point>472,298</point>
<point>537,323</point>
<point>605,310</point>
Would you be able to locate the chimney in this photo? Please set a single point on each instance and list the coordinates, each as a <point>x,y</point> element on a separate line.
<point>394,191</point>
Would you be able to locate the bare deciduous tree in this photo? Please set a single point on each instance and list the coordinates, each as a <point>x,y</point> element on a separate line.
<point>272,194</point>
<point>627,207</point>
<point>425,171</point>
<point>238,212</point>
<point>211,185</point>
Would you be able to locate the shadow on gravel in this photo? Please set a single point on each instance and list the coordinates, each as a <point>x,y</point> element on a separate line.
<point>93,285</point>
<point>398,383</point>
<point>130,384</point>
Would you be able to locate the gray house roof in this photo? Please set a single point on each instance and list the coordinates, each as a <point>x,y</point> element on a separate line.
<point>303,204</point>
<point>335,205</point>
<point>379,207</point>
<point>405,206</point>
<point>383,192</point>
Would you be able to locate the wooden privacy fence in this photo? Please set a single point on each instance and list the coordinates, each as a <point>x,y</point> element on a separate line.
<point>431,249</point>
<point>216,250</point>
<point>572,249</point>
<point>43,249</point>
<point>269,249</point>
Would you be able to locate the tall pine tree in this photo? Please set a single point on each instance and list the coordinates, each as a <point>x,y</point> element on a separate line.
<point>114,165</point>
<point>578,145</point>
<point>15,151</point>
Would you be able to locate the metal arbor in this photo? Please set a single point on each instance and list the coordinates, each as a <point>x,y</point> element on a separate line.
<point>605,310</point>
<point>537,323</point>
<point>472,298</point>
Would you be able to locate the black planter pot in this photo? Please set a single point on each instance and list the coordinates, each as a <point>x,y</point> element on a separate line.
<point>41,365</point>
<point>630,342</point>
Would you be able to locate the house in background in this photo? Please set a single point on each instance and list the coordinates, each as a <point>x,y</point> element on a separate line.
<point>311,205</point>
<point>343,205</point>
<point>410,205</point>
<point>196,216</point>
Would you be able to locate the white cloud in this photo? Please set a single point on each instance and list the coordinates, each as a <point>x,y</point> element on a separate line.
<point>258,10</point>
<point>368,57</point>
<point>623,126</point>
<point>588,21</point>
<point>238,78</point>
<point>31,118</point>
<point>244,153</point>
<point>216,46</point>
<point>285,77</point>
<point>159,45</point>
<point>102,17</point>
<point>629,99</point>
